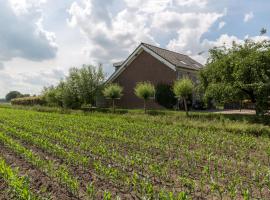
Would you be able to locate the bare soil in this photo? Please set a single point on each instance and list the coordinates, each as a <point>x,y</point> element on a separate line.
<point>40,183</point>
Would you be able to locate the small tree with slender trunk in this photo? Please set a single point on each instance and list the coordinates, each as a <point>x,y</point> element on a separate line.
<point>183,88</point>
<point>113,92</point>
<point>145,91</point>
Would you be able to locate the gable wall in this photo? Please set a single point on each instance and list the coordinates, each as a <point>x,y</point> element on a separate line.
<point>144,68</point>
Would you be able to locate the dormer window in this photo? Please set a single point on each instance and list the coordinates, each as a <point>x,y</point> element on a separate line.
<point>183,62</point>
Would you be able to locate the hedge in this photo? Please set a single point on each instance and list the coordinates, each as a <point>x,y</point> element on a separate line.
<point>28,101</point>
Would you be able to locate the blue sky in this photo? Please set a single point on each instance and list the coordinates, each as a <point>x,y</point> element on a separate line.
<point>41,39</point>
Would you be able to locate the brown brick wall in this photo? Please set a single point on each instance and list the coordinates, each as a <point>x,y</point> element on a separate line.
<point>144,68</point>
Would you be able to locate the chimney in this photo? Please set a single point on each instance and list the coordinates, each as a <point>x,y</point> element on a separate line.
<point>118,65</point>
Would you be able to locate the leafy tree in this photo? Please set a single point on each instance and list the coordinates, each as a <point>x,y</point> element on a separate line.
<point>183,88</point>
<point>85,83</point>
<point>80,87</point>
<point>145,91</point>
<point>54,95</point>
<point>13,95</point>
<point>239,72</point>
<point>113,92</point>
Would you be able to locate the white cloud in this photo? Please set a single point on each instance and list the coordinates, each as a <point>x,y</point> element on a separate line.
<point>249,16</point>
<point>114,36</point>
<point>189,36</point>
<point>109,39</point>
<point>28,82</point>
<point>25,6</point>
<point>221,25</point>
<point>1,66</point>
<point>200,3</point>
<point>149,6</point>
<point>24,36</point>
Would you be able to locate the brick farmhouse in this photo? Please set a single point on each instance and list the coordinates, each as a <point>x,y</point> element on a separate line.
<point>152,64</point>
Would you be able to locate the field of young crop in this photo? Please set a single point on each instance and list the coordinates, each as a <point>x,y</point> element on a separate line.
<point>131,156</point>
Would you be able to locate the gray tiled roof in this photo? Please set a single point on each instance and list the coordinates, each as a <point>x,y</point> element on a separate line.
<point>177,59</point>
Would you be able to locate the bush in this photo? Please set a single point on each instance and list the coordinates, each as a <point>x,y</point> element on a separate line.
<point>165,96</point>
<point>183,88</point>
<point>28,101</point>
<point>113,91</point>
<point>145,91</point>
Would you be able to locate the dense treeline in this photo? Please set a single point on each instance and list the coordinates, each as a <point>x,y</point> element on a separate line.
<point>81,87</point>
<point>241,72</point>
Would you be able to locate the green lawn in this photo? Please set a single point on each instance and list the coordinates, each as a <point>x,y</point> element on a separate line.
<point>161,155</point>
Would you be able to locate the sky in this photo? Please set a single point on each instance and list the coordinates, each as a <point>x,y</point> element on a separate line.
<point>41,39</point>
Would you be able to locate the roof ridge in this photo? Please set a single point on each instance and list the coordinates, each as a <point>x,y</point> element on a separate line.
<point>164,49</point>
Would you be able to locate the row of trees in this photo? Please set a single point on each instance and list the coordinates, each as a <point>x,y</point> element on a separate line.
<point>182,89</point>
<point>241,72</point>
<point>84,86</point>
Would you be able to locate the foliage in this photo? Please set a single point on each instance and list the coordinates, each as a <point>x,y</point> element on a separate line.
<point>145,91</point>
<point>18,186</point>
<point>237,73</point>
<point>80,87</point>
<point>165,96</point>
<point>183,88</point>
<point>113,91</point>
<point>13,95</point>
<point>28,101</point>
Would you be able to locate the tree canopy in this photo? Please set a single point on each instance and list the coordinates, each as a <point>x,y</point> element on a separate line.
<point>239,72</point>
<point>183,88</point>
<point>145,91</point>
<point>80,87</point>
<point>13,95</point>
<point>113,91</point>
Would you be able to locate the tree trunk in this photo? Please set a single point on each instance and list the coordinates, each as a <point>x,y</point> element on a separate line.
<point>186,109</point>
<point>113,106</point>
<point>241,104</point>
<point>144,106</point>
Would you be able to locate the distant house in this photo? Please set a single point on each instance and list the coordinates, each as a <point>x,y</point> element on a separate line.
<point>153,64</point>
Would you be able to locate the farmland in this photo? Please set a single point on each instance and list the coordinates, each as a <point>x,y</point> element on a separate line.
<point>131,156</point>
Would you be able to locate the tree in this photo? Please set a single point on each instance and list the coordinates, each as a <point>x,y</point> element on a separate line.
<point>80,87</point>
<point>113,92</point>
<point>13,95</point>
<point>183,88</point>
<point>85,83</point>
<point>242,71</point>
<point>145,91</point>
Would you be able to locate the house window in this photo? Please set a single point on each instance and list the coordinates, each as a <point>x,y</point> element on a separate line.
<point>179,74</point>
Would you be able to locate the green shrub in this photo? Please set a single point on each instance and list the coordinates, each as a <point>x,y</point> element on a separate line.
<point>113,91</point>
<point>183,88</point>
<point>165,96</point>
<point>145,91</point>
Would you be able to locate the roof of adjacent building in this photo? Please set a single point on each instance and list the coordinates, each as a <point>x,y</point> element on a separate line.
<point>177,59</point>
<point>118,64</point>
